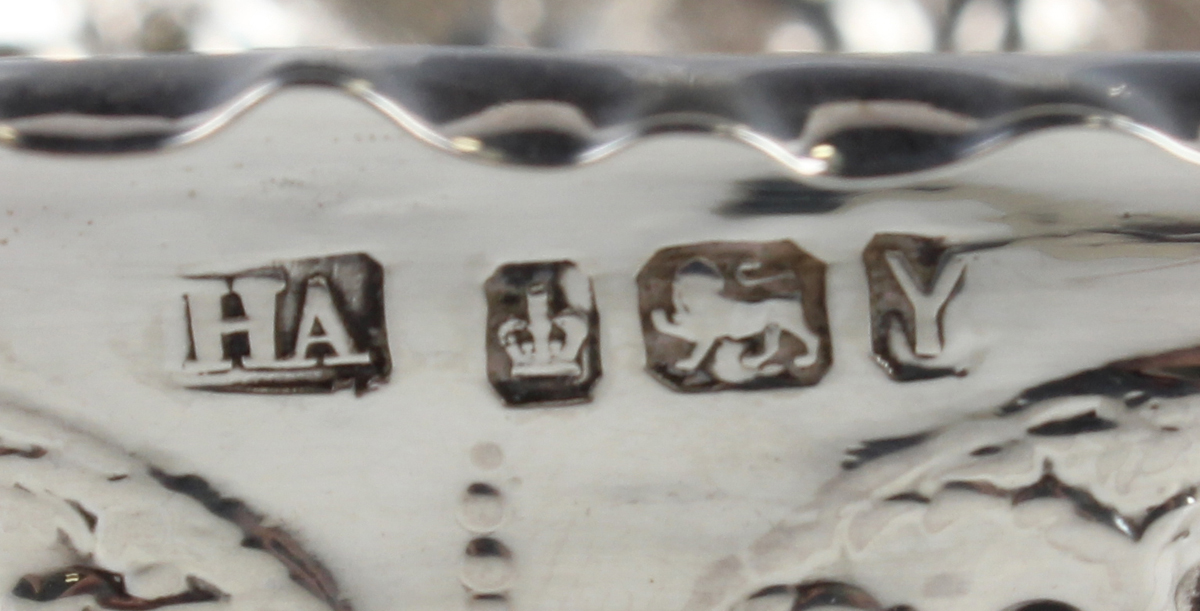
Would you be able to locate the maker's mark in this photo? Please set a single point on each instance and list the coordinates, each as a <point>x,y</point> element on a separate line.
<point>308,325</point>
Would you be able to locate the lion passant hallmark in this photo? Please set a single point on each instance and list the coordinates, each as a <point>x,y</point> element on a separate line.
<point>307,325</point>
<point>735,315</point>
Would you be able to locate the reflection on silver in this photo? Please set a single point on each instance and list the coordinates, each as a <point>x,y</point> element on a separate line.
<point>1071,249</point>
<point>925,114</point>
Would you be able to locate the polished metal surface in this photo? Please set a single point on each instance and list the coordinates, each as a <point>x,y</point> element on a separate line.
<point>528,331</point>
<point>833,121</point>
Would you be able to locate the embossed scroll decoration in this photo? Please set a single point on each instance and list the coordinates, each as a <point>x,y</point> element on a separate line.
<point>734,315</point>
<point>1079,494</point>
<point>84,526</point>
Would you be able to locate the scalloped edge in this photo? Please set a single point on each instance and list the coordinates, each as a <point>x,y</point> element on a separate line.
<point>832,121</point>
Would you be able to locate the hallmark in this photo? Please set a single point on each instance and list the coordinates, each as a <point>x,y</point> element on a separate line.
<point>308,325</point>
<point>542,343</point>
<point>735,315</point>
<point>912,279</point>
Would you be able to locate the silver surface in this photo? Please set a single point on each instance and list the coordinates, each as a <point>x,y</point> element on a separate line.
<point>1056,460</point>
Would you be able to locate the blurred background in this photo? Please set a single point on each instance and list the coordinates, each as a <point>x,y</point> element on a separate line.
<point>78,28</point>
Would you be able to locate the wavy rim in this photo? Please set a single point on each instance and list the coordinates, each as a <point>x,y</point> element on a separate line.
<point>832,121</point>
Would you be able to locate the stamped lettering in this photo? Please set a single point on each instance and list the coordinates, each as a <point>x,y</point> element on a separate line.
<point>542,338</point>
<point>734,315</point>
<point>309,325</point>
<point>911,281</point>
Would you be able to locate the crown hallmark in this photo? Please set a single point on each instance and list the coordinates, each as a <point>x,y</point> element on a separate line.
<point>542,323</point>
<point>541,345</point>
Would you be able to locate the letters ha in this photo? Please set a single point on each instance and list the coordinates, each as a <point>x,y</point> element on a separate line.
<point>308,325</point>
<point>734,315</point>
<point>542,342</point>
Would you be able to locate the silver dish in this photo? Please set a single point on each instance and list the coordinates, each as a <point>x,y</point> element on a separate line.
<point>539,331</point>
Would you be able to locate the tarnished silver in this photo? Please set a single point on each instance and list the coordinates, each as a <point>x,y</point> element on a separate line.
<point>543,338</point>
<point>936,349</point>
<point>309,325</point>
